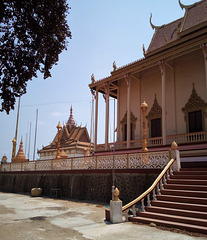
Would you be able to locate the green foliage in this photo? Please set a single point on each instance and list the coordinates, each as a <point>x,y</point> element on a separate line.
<point>32,35</point>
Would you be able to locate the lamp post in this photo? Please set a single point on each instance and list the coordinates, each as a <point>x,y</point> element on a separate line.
<point>144,107</point>
<point>59,128</point>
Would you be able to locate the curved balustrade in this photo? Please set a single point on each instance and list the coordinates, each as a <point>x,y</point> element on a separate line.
<point>153,191</point>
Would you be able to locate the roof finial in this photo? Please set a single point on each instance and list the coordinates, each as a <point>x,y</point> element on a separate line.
<point>143,49</point>
<point>71,121</point>
<point>114,66</point>
<point>92,78</point>
<point>152,25</point>
<point>186,6</point>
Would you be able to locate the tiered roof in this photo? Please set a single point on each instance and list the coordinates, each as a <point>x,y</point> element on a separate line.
<point>168,40</point>
<point>195,17</point>
<point>71,136</point>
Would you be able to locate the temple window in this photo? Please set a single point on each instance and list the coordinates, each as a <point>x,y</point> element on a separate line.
<point>154,118</point>
<point>156,127</point>
<point>194,113</point>
<point>133,120</point>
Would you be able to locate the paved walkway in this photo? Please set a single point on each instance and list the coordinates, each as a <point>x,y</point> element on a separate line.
<point>27,218</point>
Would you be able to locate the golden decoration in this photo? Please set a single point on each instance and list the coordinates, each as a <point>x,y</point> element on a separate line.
<point>59,128</point>
<point>174,146</point>
<point>116,195</point>
<point>144,107</point>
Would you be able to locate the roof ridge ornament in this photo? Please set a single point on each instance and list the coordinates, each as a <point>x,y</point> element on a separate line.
<point>186,6</point>
<point>152,25</point>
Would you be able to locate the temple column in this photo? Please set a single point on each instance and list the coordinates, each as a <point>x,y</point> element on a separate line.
<point>107,117</point>
<point>139,104</point>
<point>128,83</point>
<point>96,120</point>
<point>162,70</point>
<point>118,114</point>
<point>204,48</point>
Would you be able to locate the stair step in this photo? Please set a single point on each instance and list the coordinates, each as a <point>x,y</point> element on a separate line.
<point>191,172</point>
<point>187,182</point>
<point>186,176</point>
<point>178,205</point>
<point>186,187</point>
<point>182,199</point>
<point>197,169</point>
<point>174,218</point>
<point>178,212</point>
<point>175,192</point>
<point>188,227</point>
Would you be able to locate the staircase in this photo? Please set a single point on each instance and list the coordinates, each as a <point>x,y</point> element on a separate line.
<point>182,203</point>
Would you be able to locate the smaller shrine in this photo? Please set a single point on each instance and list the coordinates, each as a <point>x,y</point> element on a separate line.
<point>20,157</point>
<point>70,141</point>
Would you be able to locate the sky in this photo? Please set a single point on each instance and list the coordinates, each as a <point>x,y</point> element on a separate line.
<point>103,31</point>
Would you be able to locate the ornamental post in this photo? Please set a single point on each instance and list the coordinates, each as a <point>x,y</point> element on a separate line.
<point>59,128</point>
<point>144,107</point>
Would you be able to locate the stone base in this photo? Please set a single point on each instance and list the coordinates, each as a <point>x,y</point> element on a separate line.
<point>36,192</point>
<point>115,211</point>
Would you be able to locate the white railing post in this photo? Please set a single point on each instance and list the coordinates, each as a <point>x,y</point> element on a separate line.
<point>148,200</point>
<point>142,205</point>
<point>176,155</point>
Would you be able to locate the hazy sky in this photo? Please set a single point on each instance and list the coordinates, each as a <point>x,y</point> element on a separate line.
<point>103,31</point>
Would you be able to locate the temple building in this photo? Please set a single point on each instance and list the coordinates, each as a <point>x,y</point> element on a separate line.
<point>172,78</point>
<point>74,142</point>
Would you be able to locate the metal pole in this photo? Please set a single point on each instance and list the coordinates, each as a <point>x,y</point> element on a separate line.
<point>35,134</point>
<point>29,139</point>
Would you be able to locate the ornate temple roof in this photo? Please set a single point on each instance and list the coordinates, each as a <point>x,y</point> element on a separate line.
<point>71,136</point>
<point>194,18</point>
<point>166,37</point>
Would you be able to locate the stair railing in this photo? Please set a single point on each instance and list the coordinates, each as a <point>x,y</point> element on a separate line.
<point>154,190</point>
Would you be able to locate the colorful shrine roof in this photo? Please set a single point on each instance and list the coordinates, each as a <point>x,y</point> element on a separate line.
<point>71,136</point>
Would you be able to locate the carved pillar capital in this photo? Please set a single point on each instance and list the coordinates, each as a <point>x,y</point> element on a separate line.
<point>161,66</point>
<point>204,50</point>
<point>126,77</point>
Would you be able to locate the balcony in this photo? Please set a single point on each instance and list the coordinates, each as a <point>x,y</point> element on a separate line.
<point>188,138</point>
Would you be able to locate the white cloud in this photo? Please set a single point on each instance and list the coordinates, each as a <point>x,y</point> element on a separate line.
<point>55,114</point>
<point>41,122</point>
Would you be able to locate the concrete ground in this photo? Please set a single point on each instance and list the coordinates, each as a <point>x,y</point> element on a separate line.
<point>28,218</point>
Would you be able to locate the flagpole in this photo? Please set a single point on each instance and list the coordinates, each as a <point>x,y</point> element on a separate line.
<point>15,138</point>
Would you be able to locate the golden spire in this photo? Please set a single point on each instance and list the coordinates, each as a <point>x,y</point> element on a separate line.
<point>20,157</point>
<point>71,121</point>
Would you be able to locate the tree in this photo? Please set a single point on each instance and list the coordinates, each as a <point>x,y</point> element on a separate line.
<point>32,35</point>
